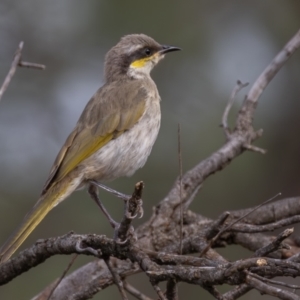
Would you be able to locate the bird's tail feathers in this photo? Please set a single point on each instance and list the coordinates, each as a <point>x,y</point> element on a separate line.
<point>46,202</point>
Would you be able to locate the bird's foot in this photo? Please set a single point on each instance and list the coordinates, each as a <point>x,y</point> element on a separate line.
<point>133,208</point>
<point>122,238</point>
<point>137,210</point>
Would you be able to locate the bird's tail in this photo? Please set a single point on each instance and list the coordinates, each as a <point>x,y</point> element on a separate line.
<point>46,202</point>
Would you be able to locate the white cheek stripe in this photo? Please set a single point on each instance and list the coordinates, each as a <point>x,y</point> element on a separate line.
<point>133,48</point>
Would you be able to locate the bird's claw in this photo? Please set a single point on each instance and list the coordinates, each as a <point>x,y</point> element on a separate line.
<point>129,216</point>
<point>130,234</point>
<point>120,242</point>
<point>140,210</point>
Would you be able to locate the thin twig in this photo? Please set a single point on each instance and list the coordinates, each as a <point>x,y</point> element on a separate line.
<point>63,275</point>
<point>117,279</point>
<point>270,290</point>
<point>180,188</point>
<point>158,290</point>
<point>272,212</point>
<point>239,85</point>
<point>134,292</point>
<point>255,149</point>
<point>291,286</point>
<point>248,228</point>
<point>26,64</point>
<point>15,63</point>
<point>247,214</point>
<point>12,69</point>
<point>234,222</point>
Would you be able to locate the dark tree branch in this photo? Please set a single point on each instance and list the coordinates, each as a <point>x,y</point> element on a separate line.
<point>276,244</point>
<point>43,249</point>
<point>272,212</point>
<point>270,290</point>
<point>291,286</point>
<point>231,225</point>
<point>255,241</point>
<point>247,228</point>
<point>88,280</point>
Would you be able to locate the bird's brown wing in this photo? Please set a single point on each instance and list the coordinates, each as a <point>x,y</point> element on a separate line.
<point>114,109</point>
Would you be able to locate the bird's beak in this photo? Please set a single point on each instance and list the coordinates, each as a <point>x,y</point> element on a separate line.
<point>166,48</point>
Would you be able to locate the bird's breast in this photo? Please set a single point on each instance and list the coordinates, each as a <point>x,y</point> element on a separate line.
<point>128,152</point>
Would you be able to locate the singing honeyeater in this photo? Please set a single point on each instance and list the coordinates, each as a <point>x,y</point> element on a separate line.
<point>114,134</point>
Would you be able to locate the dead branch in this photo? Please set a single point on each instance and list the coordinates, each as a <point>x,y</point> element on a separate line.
<point>270,290</point>
<point>276,244</point>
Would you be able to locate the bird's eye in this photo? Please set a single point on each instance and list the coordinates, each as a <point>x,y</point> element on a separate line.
<point>147,51</point>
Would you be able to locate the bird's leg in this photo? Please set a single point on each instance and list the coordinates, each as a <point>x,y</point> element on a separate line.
<point>92,190</point>
<point>110,190</point>
<point>133,208</point>
<point>122,196</point>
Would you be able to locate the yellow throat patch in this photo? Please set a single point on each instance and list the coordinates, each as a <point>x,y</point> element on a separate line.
<point>140,63</point>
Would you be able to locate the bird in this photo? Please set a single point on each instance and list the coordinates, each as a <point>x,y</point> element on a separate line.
<point>113,136</point>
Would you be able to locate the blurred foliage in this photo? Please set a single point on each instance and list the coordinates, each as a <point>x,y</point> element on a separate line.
<point>222,41</point>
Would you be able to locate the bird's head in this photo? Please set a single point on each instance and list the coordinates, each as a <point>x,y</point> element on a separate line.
<point>135,56</point>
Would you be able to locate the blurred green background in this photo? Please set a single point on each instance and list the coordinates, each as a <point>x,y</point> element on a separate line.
<point>222,41</point>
